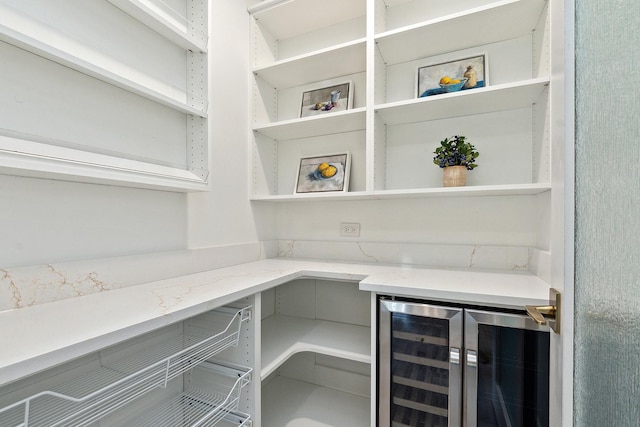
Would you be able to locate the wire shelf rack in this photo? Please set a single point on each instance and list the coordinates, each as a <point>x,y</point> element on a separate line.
<point>200,407</point>
<point>89,397</point>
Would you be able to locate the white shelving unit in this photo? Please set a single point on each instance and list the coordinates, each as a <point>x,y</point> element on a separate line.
<point>379,45</point>
<point>316,354</point>
<point>162,37</point>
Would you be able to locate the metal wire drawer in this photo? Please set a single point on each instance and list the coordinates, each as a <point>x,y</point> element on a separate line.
<point>91,396</point>
<point>199,406</point>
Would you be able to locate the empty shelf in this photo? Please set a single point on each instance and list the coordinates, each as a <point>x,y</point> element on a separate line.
<point>283,336</point>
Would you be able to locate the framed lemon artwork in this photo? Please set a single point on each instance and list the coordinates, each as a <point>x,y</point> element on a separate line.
<point>327,173</point>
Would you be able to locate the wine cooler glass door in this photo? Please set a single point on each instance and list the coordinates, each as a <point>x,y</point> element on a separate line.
<point>419,370</point>
<point>506,371</point>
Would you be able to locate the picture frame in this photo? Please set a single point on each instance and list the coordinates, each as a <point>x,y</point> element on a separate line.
<point>328,99</point>
<point>429,76</point>
<point>323,174</point>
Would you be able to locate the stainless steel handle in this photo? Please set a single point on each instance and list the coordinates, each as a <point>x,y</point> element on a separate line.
<point>454,356</point>
<point>472,359</point>
<point>471,389</point>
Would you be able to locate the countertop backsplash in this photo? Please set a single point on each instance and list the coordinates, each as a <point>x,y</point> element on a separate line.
<point>27,286</point>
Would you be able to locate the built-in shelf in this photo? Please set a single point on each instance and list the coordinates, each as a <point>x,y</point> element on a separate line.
<point>166,22</point>
<point>117,67</point>
<point>310,15</point>
<point>339,122</point>
<point>355,195</point>
<point>41,40</point>
<point>415,193</point>
<point>466,191</point>
<point>283,336</point>
<point>310,404</point>
<point>464,103</point>
<point>502,20</point>
<point>336,61</point>
<point>23,157</point>
<point>389,122</point>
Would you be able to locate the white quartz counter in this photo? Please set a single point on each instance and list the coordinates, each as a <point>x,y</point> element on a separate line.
<point>42,336</point>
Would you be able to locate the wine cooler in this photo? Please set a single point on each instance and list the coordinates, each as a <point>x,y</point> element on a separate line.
<point>450,366</point>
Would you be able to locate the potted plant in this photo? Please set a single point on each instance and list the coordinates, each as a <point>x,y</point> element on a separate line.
<point>455,156</point>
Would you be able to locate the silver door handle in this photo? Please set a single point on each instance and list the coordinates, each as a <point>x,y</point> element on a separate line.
<point>454,356</point>
<point>472,359</point>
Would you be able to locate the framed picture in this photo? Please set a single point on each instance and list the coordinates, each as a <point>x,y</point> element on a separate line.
<point>323,174</point>
<point>452,76</point>
<point>327,99</point>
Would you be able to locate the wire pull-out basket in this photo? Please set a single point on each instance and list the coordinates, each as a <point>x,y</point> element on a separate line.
<point>93,395</point>
<point>213,402</point>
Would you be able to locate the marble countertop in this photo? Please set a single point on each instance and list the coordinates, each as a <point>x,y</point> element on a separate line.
<point>42,336</point>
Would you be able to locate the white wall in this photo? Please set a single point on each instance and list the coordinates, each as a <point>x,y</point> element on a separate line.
<point>224,215</point>
<point>509,221</point>
<point>45,221</point>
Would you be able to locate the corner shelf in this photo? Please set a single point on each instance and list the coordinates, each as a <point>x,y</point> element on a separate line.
<point>283,336</point>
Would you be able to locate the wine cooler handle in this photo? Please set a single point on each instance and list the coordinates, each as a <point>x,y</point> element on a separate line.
<point>454,356</point>
<point>472,359</point>
<point>471,389</point>
<point>455,386</point>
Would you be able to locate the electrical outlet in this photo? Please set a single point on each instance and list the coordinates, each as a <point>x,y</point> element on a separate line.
<point>350,229</point>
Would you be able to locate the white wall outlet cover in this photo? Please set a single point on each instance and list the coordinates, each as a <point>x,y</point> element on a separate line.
<point>350,229</point>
